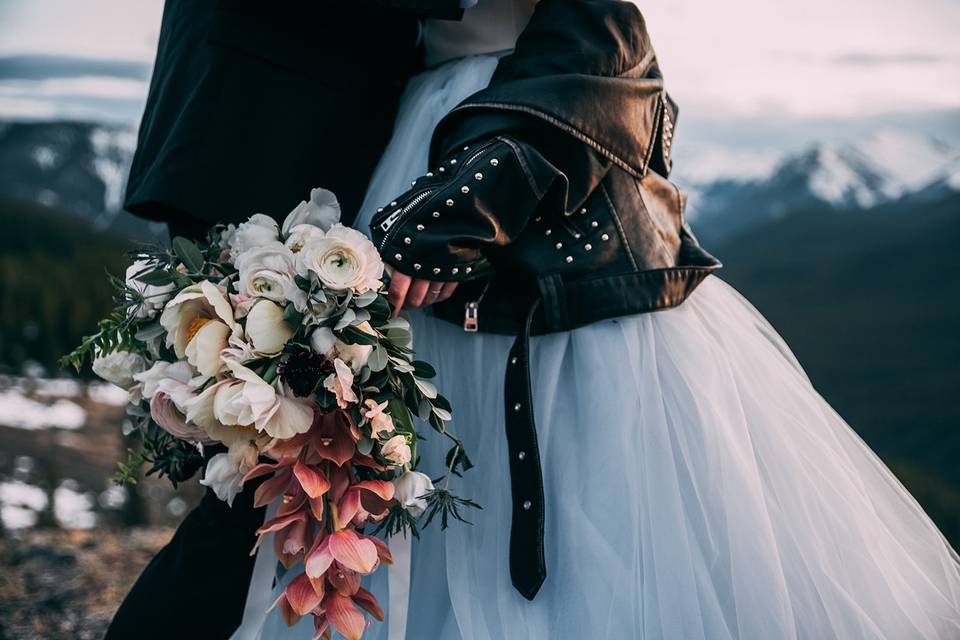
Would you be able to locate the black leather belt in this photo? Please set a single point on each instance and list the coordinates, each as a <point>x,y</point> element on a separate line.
<point>528,567</point>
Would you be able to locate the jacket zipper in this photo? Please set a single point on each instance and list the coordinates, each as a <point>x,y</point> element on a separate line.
<point>391,220</point>
<point>471,313</point>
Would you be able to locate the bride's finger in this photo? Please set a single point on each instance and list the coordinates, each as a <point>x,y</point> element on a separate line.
<point>447,291</point>
<point>417,294</point>
<point>399,285</point>
<point>433,293</point>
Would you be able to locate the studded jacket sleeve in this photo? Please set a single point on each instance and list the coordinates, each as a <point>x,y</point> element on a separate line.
<point>568,104</point>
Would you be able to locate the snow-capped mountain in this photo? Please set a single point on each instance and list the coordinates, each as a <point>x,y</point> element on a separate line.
<point>877,170</point>
<point>78,167</point>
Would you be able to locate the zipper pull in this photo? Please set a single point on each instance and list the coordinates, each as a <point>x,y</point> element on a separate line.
<point>390,221</point>
<point>471,317</point>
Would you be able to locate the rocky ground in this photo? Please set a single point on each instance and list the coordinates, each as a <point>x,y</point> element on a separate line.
<point>59,584</point>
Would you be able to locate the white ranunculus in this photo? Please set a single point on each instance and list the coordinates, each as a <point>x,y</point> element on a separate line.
<point>120,368</point>
<point>154,297</point>
<point>266,329</point>
<point>199,317</point>
<point>409,490</point>
<point>321,211</point>
<point>268,272</point>
<point>396,450</point>
<point>257,231</point>
<point>343,259</point>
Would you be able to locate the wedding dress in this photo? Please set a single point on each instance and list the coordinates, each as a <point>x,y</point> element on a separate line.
<point>697,486</point>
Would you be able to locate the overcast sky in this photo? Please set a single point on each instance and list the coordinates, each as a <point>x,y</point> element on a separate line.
<point>741,57</point>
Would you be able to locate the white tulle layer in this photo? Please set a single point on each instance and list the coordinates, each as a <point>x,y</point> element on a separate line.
<point>697,486</point>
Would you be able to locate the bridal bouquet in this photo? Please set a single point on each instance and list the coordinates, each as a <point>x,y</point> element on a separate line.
<point>277,342</point>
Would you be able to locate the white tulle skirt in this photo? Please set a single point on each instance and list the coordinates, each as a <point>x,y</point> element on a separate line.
<point>697,486</point>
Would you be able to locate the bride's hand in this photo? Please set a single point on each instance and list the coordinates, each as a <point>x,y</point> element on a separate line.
<point>409,293</point>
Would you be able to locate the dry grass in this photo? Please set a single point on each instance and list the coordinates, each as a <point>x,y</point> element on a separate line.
<point>67,584</point>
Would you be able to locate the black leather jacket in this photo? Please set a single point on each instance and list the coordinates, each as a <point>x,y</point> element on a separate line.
<point>578,212</point>
<point>549,201</point>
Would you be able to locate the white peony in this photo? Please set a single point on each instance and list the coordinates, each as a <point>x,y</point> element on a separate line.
<point>321,211</point>
<point>268,271</point>
<point>199,321</point>
<point>343,259</point>
<point>409,490</point>
<point>266,329</point>
<point>154,297</point>
<point>257,231</point>
<point>120,368</point>
<point>396,450</point>
<point>247,400</point>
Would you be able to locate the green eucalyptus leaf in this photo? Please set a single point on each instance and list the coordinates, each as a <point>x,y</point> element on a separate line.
<point>189,253</point>
<point>378,359</point>
<point>423,369</point>
<point>156,278</point>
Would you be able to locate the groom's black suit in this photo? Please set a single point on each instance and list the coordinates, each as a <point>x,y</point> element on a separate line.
<point>251,104</point>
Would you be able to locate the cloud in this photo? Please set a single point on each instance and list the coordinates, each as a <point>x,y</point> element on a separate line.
<point>42,67</point>
<point>874,59</point>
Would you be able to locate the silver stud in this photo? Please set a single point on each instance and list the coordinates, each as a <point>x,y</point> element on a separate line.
<point>429,174</point>
<point>548,232</point>
<point>494,162</point>
<point>559,245</point>
<point>517,407</point>
<point>453,161</point>
<point>576,236</point>
<point>478,176</point>
<point>407,241</point>
<point>583,211</point>
<point>513,360</point>
<point>538,219</point>
<point>468,270</point>
<point>464,189</point>
<point>436,214</point>
<point>526,505</point>
<point>569,259</point>
<point>521,455</point>
<point>399,256</point>
<point>454,271</point>
<point>393,204</point>
<point>420,227</point>
<point>594,224</point>
<point>436,270</point>
<point>416,266</point>
<point>449,202</point>
<point>604,237</point>
<point>413,183</point>
<point>441,169</point>
<point>588,246</point>
<point>466,148</point>
<point>380,210</point>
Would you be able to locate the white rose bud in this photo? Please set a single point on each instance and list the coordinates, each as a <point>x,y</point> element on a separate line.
<point>255,232</point>
<point>266,328</point>
<point>409,490</point>
<point>119,367</point>
<point>322,211</point>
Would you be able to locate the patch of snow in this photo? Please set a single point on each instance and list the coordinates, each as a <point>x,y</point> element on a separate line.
<point>839,179</point>
<point>113,497</point>
<point>21,412</point>
<point>113,149</point>
<point>705,163</point>
<point>910,162</point>
<point>73,509</point>
<point>56,387</point>
<point>20,504</point>
<point>45,157</point>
